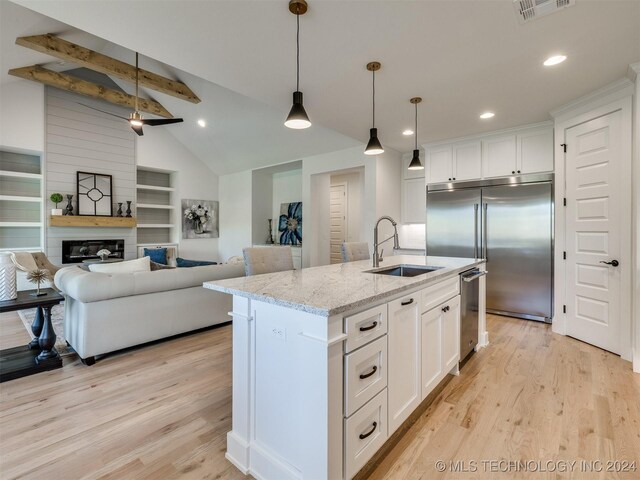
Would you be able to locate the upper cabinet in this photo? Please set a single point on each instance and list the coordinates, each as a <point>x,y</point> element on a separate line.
<point>514,152</point>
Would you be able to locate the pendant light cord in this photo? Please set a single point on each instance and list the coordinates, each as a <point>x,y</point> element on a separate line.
<point>136,108</point>
<point>297,52</point>
<point>416,135</point>
<point>374,98</point>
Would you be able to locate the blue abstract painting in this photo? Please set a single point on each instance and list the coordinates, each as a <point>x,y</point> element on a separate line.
<point>290,224</point>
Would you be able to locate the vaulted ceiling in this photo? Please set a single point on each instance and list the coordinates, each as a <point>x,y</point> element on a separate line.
<point>462,57</point>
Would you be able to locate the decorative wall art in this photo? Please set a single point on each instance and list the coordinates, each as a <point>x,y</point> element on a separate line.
<point>290,223</point>
<point>94,194</point>
<point>200,219</point>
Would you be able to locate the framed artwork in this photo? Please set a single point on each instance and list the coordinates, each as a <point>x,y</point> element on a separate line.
<point>95,195</point>
<point>200,219</point>
<point>290,223</point>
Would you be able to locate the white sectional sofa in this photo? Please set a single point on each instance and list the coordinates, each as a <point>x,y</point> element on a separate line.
<point>108,312</point>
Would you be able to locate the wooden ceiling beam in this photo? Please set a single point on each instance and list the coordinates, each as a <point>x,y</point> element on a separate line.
<point>67,51</point>
<point>66,82</point>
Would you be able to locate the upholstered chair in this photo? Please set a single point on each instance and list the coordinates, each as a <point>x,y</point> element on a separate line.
<point>353,251</point>
<point>259,260</point>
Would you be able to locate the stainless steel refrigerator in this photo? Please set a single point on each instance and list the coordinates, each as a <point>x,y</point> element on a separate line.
<point>508,222</point>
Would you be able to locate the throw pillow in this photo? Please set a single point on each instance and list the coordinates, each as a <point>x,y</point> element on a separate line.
<point>158,266</point>
<point>182,262</point>
<point>158,255</point>
<point>131,266</point>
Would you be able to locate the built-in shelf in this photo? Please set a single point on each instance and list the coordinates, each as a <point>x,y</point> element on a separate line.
<point>155,225</point>
<point>90,221</point>
<point>18,198</point>
<point>9,173</point>
<point>20,224</point>
<point>151,205</point>
<point>155,188</point>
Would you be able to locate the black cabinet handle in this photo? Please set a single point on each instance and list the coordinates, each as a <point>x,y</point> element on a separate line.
<point>518,171</point>
<point>449,178</point>
<point>373,429</point>
<point>445,308</point>
<point>454,178</point>
<point>613,263</point>
<point>513,171</point>
<point>367,375</point>
<point>370,327</point>
<point>408,302</point>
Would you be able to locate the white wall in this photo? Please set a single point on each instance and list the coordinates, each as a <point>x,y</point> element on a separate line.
<point>235,214</point>
<point>22,116</point>
<point>194,180</point>
<point>355,199</point>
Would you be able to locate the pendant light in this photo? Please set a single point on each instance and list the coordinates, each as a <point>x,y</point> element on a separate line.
<point>297,117</point>
<point>374,147</point>
<point>416,164</point>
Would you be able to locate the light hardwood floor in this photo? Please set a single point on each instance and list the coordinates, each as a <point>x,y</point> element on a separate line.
<point>162,411</point>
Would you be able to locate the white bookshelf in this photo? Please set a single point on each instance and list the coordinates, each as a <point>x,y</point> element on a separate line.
<point>21,202</point>
<point>155,207</point>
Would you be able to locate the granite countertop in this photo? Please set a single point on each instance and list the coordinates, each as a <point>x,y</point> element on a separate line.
<point>333,289</point>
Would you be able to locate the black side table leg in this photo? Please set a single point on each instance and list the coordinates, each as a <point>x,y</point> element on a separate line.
<point>47,340</point>
<point>36,329</point>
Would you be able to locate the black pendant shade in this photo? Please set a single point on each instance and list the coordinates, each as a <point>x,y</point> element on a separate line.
<point>374,147</point>
<point>297,117</point>
<point>416,164</point>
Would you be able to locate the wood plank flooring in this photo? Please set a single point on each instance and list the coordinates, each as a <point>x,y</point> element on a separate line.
<point>163,411</point>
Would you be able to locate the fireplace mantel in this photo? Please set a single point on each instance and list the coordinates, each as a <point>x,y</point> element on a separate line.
<point>91,221</point>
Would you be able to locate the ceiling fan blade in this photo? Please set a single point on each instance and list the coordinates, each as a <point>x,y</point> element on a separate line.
<point>153,122</point>
<point>98,110</point>
<point>138,130</point>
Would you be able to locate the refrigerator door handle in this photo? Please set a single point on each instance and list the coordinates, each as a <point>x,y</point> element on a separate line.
<point>485,207</point>
<point>475,230</point>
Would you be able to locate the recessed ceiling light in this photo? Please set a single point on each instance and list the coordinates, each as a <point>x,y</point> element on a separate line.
<point>408,132</point>
<point>202,123</point>
<point>555,60</point>
<point>486,115</point>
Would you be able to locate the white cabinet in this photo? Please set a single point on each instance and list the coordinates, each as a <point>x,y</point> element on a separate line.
<point>404,357</point>
<point>467,161</point>
<point>499,156</point>
<point>439,164</point>
<point>406,160</point>
<point>451,334</point>
<point>535,151</point>
<point>414,201</point>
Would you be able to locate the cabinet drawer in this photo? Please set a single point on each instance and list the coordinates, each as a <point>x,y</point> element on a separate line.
<point>365,374</point>
<point>364,433</point>
<point>440,292</point>
<point>365,326</point>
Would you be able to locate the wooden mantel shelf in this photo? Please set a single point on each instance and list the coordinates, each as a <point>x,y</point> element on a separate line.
<point>88,221</point>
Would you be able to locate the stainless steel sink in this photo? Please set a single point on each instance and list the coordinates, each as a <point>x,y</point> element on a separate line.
<point>404,270</point>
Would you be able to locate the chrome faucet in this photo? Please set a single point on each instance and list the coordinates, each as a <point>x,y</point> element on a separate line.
<point>377,257</point>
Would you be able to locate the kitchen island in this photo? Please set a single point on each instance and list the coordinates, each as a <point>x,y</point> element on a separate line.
<point>329,361</point>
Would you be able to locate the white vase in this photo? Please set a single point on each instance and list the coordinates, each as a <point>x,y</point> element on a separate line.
<point>56,211</point>
<point>8,287</point>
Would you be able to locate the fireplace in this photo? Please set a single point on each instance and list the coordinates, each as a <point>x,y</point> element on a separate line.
<point>75,251</point>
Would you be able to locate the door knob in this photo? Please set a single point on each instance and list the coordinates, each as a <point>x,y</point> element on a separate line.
<point>613,263</point>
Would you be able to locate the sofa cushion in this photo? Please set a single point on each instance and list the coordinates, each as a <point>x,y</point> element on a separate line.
<point>183,262</point>
<point>130,266</point>
<point>158,255</point>
<point>159,266</point>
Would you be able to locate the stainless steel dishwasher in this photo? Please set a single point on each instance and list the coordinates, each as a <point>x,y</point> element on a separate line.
<point>469,297</point>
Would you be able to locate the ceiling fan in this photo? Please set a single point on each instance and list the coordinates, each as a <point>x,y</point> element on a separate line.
<point>135,118</point>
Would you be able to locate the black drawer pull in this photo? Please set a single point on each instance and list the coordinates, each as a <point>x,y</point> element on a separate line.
<point>365,435</point>
<point>370,327</point>
<point>445,309</point>
<point>367,375</point>
<point>408,302</point>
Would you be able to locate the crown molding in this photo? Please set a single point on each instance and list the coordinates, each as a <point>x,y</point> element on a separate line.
<point>619,88</point>
<point>633,71</point>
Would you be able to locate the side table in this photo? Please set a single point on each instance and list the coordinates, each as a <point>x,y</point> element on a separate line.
<point>40,354</point>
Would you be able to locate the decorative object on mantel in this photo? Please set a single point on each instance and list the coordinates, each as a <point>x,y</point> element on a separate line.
<point>38,276</point>
<point>290,224</point>
<point>90,221</point>
<point>119,212</point>
<point>103,254</point>
<point>56,198</point>
<point>94,194</point>
<point>69,209</point>
<point>8,287</point>
<point>200,219</point>
<point>270,237</point>
<point>128,208</point>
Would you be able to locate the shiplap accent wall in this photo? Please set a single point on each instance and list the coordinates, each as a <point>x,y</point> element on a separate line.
<point>81,139</point>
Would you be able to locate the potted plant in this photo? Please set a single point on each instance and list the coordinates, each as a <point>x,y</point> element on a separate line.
<point>56,198</point>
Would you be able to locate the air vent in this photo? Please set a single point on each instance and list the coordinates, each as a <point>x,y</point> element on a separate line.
<point>528,10</point>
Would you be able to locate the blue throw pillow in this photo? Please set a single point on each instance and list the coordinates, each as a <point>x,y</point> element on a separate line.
<point>158,255</point>
<point>182,262</point>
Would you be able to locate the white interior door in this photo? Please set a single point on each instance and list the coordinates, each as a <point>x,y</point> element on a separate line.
<point>337,220</point>
<point>594,187</point>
